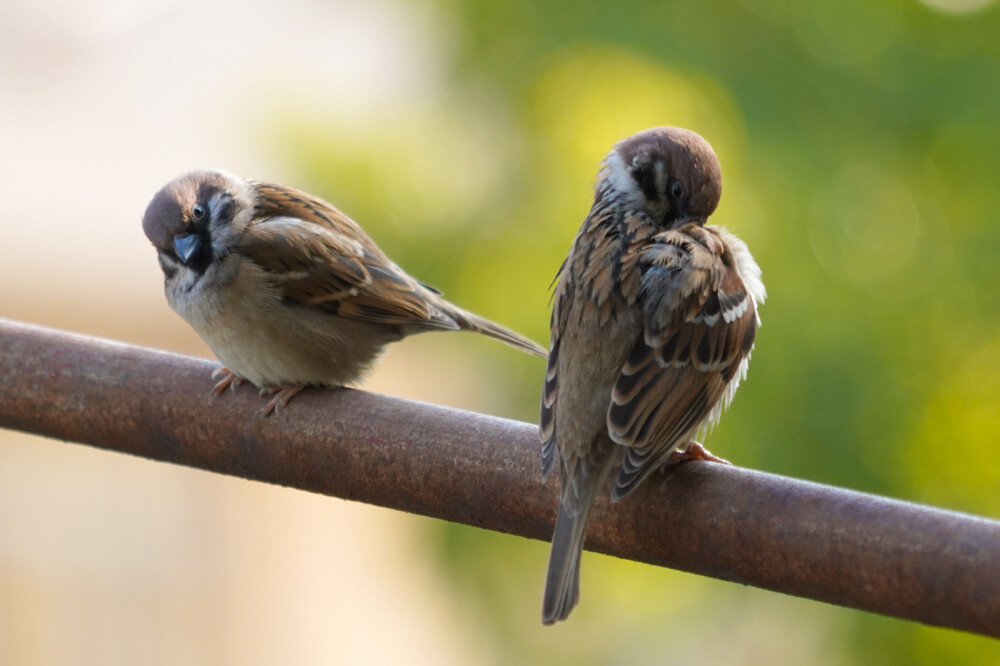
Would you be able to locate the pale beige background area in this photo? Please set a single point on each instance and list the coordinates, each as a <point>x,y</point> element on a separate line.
<point>107,559</point>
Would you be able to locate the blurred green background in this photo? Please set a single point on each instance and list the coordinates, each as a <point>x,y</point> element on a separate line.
<point>860,147</point>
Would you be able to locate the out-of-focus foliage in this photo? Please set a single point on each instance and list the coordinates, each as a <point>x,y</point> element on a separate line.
<point>860,148</point>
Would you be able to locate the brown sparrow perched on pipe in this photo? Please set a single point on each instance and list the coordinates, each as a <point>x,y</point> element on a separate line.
<point>653,321</point>
<point>286,290</point>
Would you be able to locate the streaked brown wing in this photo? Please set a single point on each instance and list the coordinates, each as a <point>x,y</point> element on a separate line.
<point>550,389</point>
<point>320,258</point>
<point>279,201</point>
<point>700,324</point>
<point>604,244</point>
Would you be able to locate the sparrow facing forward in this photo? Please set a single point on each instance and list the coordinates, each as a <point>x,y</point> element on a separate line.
<point>653,321</point>
<point>286,290</point>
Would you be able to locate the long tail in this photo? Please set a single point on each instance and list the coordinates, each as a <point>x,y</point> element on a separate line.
<point>470,322</point>
<point>562,582</point>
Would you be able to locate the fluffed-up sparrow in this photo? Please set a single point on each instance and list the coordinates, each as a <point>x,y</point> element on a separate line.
<point>653,321</point>
<point>286,290</point>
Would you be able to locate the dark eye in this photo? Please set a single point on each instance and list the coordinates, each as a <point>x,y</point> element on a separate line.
<point>677,190</point>
<point>198,212</point>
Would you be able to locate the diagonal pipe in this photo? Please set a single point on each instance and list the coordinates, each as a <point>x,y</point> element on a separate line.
<point>805,539</point>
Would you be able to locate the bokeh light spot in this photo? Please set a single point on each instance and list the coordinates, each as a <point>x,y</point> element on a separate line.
<point>864,227</point>
<point>958,6</point>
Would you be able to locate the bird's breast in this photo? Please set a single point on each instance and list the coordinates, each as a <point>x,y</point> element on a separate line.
<point>268,341</point>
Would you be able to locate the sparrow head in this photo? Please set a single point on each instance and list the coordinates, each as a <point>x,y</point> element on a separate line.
<point>193,219</point>
<point>672,174</point>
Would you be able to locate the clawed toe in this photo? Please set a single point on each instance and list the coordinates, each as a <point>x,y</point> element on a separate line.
<point>695,451</point>
<point>282,394</point>
<point>229,379</point>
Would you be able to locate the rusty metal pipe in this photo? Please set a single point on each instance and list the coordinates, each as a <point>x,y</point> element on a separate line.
<point>843,547</point>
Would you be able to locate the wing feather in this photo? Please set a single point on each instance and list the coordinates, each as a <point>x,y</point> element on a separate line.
<point>550,390</point>
<point>699,326</point>
<point>319,258</point>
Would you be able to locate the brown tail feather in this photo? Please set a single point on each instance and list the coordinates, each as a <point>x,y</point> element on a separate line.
<point>470,322</point>
<point>562,582</point>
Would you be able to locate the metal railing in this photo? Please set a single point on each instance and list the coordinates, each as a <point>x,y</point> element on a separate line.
<point>843,547</point>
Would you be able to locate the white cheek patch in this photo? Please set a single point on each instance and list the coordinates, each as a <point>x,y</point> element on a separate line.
<point>622,181</point>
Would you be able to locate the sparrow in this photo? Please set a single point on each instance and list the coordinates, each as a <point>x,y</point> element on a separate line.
<point>653,320</point>
<point>286,290</point>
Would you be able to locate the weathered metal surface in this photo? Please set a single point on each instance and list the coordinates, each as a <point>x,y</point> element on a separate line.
<point>800,538</point>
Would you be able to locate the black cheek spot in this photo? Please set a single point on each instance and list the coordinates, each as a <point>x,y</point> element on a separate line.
<point>646,180</point>
<point>226,212</point>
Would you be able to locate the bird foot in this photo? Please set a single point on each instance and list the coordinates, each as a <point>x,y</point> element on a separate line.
<point>229,380</point>
<point>695,451</point>
<point>282,394</point>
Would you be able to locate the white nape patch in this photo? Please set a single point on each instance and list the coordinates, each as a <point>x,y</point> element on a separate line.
<point>622,181</point>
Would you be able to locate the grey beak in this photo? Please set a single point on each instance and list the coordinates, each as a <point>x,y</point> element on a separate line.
<point>186,245</point>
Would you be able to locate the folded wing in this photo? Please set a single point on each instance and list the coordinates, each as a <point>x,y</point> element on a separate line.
<point>320,258</point>
<point>699,327</point>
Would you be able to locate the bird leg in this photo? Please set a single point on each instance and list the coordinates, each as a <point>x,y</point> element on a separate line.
<point>229,379</point>
<point>695,451</point>
<point>282,394</point>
